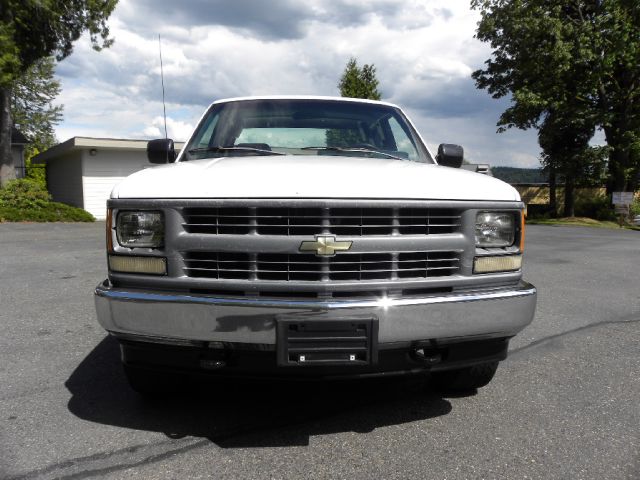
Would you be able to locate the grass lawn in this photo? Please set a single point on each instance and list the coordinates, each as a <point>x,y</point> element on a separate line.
<point>580,222</point>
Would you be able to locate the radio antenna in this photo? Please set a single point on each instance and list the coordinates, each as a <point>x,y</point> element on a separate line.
<point>164,107</point>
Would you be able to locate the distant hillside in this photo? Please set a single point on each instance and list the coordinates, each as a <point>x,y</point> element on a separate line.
<point>519,175</point>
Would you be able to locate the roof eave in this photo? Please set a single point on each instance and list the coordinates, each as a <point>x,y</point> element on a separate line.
<point>88,143</point>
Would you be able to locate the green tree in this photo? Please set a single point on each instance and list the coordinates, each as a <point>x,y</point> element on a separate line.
<point>355,82</point>
<point>31,30</point>
<point>359,82</point>
<point>566,153</point>
<point>32,108</point>
<point>578,57</point>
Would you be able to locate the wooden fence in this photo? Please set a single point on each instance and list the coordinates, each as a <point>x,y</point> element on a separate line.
<point>538,193</point>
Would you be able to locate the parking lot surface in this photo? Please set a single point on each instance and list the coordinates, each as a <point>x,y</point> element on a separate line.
<point>563,405</point>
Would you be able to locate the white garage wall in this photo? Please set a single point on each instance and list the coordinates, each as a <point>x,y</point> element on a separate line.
<point>100,173</point>
<point>64,179</point>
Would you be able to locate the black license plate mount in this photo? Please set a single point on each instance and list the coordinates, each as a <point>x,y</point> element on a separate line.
<point>350,340</point>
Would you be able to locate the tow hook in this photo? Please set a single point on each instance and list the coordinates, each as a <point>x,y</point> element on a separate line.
<point>216,358</point>
<point>210,364</point>
<point>427,358</point>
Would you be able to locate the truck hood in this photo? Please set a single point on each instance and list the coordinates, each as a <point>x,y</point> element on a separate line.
<point>311,177</point>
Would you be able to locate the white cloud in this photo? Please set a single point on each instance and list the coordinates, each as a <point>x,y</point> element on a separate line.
<point>176,129</point>
<point>424,52</point>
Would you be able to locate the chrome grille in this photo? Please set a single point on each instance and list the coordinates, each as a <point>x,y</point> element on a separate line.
<point>309,267</point>
<point>350,221</point>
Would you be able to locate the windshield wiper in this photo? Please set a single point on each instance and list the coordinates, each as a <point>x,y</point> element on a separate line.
<point>236,149</point>
<point>355,149</point>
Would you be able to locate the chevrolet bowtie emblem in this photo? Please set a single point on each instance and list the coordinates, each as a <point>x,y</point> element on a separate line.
<point>325,246</point>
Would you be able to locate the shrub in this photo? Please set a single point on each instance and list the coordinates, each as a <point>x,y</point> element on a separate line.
<point>539,212</point>
<point>36,173</point>
<point>597,207</point>
<point>52,212</point>
<point>635,207</point>
<point>28,200</point>
<point>24,193</point>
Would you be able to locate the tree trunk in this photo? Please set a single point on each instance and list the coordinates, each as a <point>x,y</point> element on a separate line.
<point>569,197</point>
<point>553,199</point>
<point>7,169</point>
<point>635,180</point>
<point>619,158</point>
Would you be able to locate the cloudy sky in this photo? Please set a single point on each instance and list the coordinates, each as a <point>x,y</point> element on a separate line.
<point>424,52</point>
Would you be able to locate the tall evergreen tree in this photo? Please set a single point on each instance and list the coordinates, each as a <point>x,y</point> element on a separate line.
<point>32,107</point>
<point>355,82</point>
<point>359,82</point>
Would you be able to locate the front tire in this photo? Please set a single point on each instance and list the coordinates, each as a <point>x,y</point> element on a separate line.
<point>465,379</point>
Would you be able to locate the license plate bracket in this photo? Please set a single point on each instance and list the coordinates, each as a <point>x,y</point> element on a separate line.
<point>329,341</point>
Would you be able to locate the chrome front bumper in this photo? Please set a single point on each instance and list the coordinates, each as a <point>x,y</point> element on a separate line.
<point>184,318</point>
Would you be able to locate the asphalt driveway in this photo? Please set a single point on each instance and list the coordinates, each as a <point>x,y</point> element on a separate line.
<point>564,405</point>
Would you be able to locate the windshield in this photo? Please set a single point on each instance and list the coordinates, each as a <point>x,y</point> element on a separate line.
<point>305,127</point>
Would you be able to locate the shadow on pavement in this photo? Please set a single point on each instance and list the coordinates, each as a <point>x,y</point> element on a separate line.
<point>236,414</point>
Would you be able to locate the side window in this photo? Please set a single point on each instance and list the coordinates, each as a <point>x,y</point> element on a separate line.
<point>205,133</point>
<point>403,140</point>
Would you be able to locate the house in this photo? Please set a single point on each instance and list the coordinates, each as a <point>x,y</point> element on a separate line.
<point>18,142</point>
<point>82,171</point>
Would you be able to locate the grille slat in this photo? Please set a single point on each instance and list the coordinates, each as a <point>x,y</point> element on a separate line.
<point>320,226</point>
<point>304,267</point>
<point>288,221</point>
<point>398,272</point>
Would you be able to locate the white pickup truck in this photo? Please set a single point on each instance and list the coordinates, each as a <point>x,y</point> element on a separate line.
<point>312,237</point>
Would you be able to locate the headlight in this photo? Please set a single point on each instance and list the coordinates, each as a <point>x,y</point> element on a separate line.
<point>140,229</point>
<point>495,229</point>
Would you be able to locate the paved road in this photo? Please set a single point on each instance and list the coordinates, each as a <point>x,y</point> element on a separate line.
<point>564,405</point>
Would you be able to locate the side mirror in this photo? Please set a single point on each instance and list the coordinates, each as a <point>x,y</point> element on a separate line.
<point>450,155</point>
<point>161,150</point>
